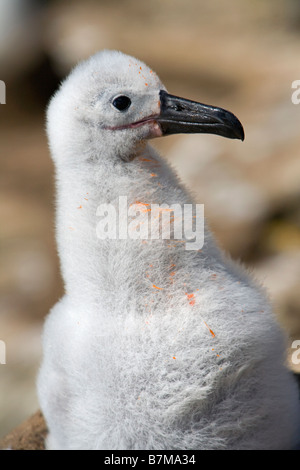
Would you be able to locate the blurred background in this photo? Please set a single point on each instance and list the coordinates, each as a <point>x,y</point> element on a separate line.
<point>243,56</point>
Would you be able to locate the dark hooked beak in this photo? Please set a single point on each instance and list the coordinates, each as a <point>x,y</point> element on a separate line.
<point>179,115</point>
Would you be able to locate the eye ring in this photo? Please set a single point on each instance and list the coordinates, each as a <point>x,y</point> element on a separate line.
<point>121,102</point>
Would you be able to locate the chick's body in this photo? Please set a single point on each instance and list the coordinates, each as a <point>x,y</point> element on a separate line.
<point>153,346</point>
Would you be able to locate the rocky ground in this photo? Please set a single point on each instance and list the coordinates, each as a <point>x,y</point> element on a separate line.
<point>240,55</point>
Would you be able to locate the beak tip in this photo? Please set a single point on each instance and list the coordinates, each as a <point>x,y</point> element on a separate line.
<point>242,134</point>
<point>237,128</point>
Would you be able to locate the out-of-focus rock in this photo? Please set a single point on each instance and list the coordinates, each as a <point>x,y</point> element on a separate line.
<point>280,274</point>
<point>20,36</point>
<point>293,14</point>
<point>18,375</point>
<point>74,34</point>
<point>30,435</point>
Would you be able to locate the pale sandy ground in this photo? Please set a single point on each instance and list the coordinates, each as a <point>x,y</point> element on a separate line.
<point>240,55</point>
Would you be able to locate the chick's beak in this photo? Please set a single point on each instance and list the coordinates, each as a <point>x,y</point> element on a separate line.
<point>178,115</point>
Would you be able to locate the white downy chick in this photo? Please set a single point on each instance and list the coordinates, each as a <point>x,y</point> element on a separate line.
<point>153,346</point>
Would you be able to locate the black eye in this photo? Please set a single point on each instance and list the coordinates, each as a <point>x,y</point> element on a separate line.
<point>122,102</point>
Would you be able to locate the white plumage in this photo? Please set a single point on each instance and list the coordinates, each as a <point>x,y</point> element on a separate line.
<point>152,346</point>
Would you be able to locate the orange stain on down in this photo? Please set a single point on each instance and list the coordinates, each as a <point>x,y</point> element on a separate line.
<point>150,160</point>
<point>139,202</point>
<point>80,207</point>
<point>191,298</point>
<point>172,274</point>
<point>211,331</point>
<point>174,357</point>
<point>155,287</point>
<point>146,160</point>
